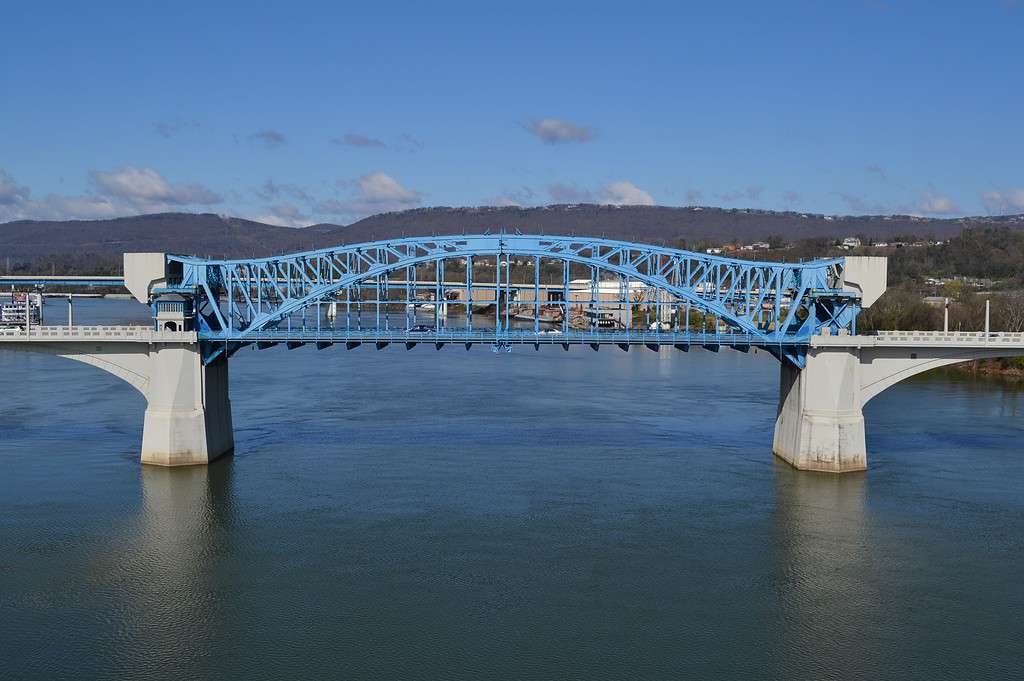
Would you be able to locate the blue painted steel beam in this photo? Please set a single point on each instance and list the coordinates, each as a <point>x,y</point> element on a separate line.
<point>748,303</point>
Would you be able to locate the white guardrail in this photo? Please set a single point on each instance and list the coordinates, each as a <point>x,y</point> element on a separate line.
<point>951,337</point>
<point>140,334</point>
<point>943,338</point>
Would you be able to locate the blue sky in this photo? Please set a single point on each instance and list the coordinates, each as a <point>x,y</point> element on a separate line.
<point>301,112</point>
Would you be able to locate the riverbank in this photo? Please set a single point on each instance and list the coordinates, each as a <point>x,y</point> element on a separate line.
<point>1008,368</point>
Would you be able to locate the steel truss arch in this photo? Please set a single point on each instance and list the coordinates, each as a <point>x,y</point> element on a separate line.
<point>773,302</point>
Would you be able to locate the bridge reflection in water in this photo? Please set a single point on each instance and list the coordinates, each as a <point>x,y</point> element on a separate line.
<point>823,570</point>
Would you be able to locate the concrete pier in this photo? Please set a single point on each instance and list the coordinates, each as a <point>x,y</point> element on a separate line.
<point>820,422</point>
<point>188,416</point>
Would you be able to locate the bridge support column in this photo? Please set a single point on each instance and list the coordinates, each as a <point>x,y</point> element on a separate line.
<point>188,418</point>
<point>820,423</point>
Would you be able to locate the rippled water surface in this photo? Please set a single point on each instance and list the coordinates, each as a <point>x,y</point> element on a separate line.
<point>534,515</point>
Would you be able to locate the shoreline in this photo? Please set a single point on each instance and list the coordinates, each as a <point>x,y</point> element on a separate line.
<point>1008,368</point>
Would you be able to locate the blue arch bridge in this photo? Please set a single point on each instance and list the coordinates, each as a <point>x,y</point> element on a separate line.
<point>503,290</point>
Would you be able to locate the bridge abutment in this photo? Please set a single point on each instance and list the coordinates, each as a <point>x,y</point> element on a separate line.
<point>820,422</point>
<point>188,416</point>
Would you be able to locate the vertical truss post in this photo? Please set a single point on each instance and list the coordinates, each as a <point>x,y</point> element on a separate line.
<point>469,294</point>
<point>536,295</point>
<point>629,306</point>
<point>565,296</point>
<point>508,289</point>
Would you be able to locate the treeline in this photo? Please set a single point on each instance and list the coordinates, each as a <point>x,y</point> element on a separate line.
<point>67,264</point>
<point>986,253</point>
<point>995,253</point>
<point>903,308</point>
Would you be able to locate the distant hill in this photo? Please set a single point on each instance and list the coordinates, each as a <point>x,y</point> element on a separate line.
<point>218,236</point>
<point>201,234</point>
<point>655,223</point>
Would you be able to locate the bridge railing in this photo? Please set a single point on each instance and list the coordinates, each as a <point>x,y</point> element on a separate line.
<point>106,333</point>
<point>952,336</point>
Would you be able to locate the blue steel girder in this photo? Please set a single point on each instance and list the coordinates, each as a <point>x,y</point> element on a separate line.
<point>776,302</point>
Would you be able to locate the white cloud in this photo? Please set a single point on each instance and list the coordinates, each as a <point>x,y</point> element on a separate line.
<point>517,199</point>
<point>557,131</point>
<point>624,193</point>
<point>1011,201</point>
<point>383,188</point>
<point>374,193</point>
<point>127,191</point>
<point>621,193</point>
<point>86,207</point>
<point>569,193</point>
<point>936,204</point>
<point>11,194</point>
<point>284,215</point>
<point>146,188</point>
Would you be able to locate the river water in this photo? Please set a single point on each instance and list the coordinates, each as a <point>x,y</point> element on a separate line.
<point>533,515</point>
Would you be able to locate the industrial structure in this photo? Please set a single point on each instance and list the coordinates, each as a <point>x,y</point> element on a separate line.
<point>505,290</point>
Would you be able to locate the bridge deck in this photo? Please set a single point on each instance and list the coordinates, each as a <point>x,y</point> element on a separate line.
<point>508,337</point>
<point>145,334</point>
